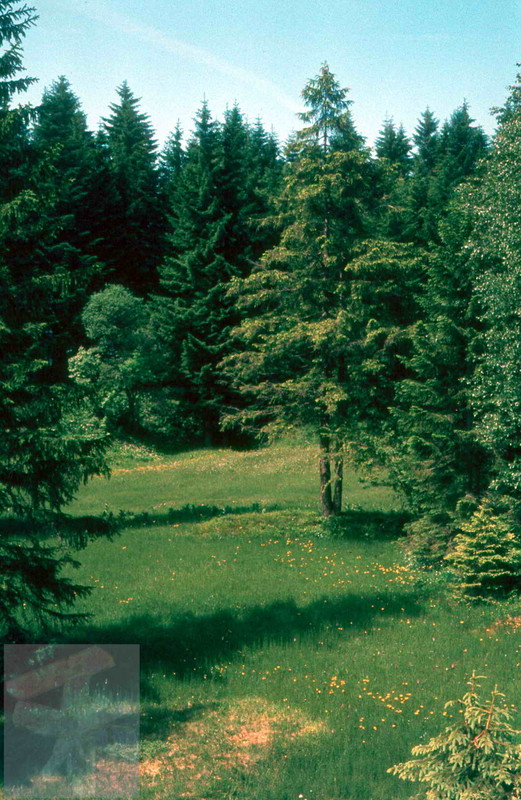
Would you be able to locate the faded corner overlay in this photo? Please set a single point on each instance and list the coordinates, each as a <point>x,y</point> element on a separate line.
<point>71,721</point>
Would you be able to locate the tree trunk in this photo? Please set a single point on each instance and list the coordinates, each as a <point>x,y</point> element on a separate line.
<point>338,479</point>
<point>326,497</point>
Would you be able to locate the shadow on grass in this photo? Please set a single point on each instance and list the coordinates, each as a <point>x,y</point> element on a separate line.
<point>79,531</point>
<point>188,513</point>
<point>157,722</point>
<point>188,645</point>
<point>363,525</point>
<point>353,524</point>
<point>76,531</point>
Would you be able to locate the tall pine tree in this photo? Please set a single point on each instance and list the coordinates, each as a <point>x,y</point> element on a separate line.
<point>136,226</point>
<point>299,344</point>
<point>48,444</point>
<point>68,167</point>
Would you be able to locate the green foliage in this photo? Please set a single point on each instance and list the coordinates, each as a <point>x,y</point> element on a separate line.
<point>49,442</point>
<point>330,123</point>
<point>393,162</point>
<point>113,319</point>
<point>217,198</point>
<point>444,158</point>
<point>292,343</point>
<point>393,146</point>
<point>323,311</point>
<point>136,223</point>
<point>114,369</point>
<point>486,556</point>
<point>477,758</point>
<point>33,588</point>
<point>15,20</point>
<point>434,456</point>
<point>74,168</point>
<point>65,176</point>
<point>495,246</point>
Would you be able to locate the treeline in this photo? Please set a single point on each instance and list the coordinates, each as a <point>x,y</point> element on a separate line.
<point>227,286</point>
<point>176,228</point>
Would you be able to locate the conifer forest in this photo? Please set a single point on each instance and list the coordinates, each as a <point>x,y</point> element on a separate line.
<point>228,290</point>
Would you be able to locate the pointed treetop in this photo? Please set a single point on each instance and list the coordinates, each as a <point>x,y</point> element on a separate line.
<point>328,109</point>
<point>426,139</point>
<point>173,154</point>
<point>60,114</point>
<point>127,124</point>
<point>426,127</point>
<point>459,135</point>
<point>393,145</point>
<point>204,134</point>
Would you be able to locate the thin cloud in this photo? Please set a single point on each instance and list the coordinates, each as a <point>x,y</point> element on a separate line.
<point>102,12</point>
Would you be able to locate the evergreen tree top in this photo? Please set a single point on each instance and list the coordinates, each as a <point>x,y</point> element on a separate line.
<point>392,144</point>
<point>328,117</point>
<point>426,139</point>
<point>459,133</point>
<point>426,128</point>
<point>60,114</point>
<point>127,124</point>
<point>15,20</point>
<point>203,122</point>
<point>173,155</point>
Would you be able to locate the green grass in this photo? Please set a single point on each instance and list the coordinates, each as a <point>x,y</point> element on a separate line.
<point>277,661</point>
<point>285,476</point>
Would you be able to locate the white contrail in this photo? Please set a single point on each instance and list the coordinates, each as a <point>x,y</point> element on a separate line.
<point>102,12</point>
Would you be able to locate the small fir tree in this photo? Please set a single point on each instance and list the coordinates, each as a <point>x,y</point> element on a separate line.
<point>476,758</point>
<point>486,556</point>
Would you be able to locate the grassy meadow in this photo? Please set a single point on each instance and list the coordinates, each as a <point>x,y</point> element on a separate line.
<point>280,660</point>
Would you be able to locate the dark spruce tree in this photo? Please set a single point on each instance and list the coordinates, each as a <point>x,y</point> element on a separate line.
<point>68,166</point>
<point>444,159</point>
<point>393,146</point>
<point>263,177</point>
<point>435,460</point>
<point>137,223</point>
<point>48,444</point>
<point>78,164</point>
<point>462,146</point>
<point>185,312</point>
<point>393,166</point>
<point>218,197</point>
<point>420,220</point>
<point>171,164</point>
<point>426,141</point>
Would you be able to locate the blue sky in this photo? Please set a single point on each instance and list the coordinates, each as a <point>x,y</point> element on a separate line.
<point>396,56</point>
